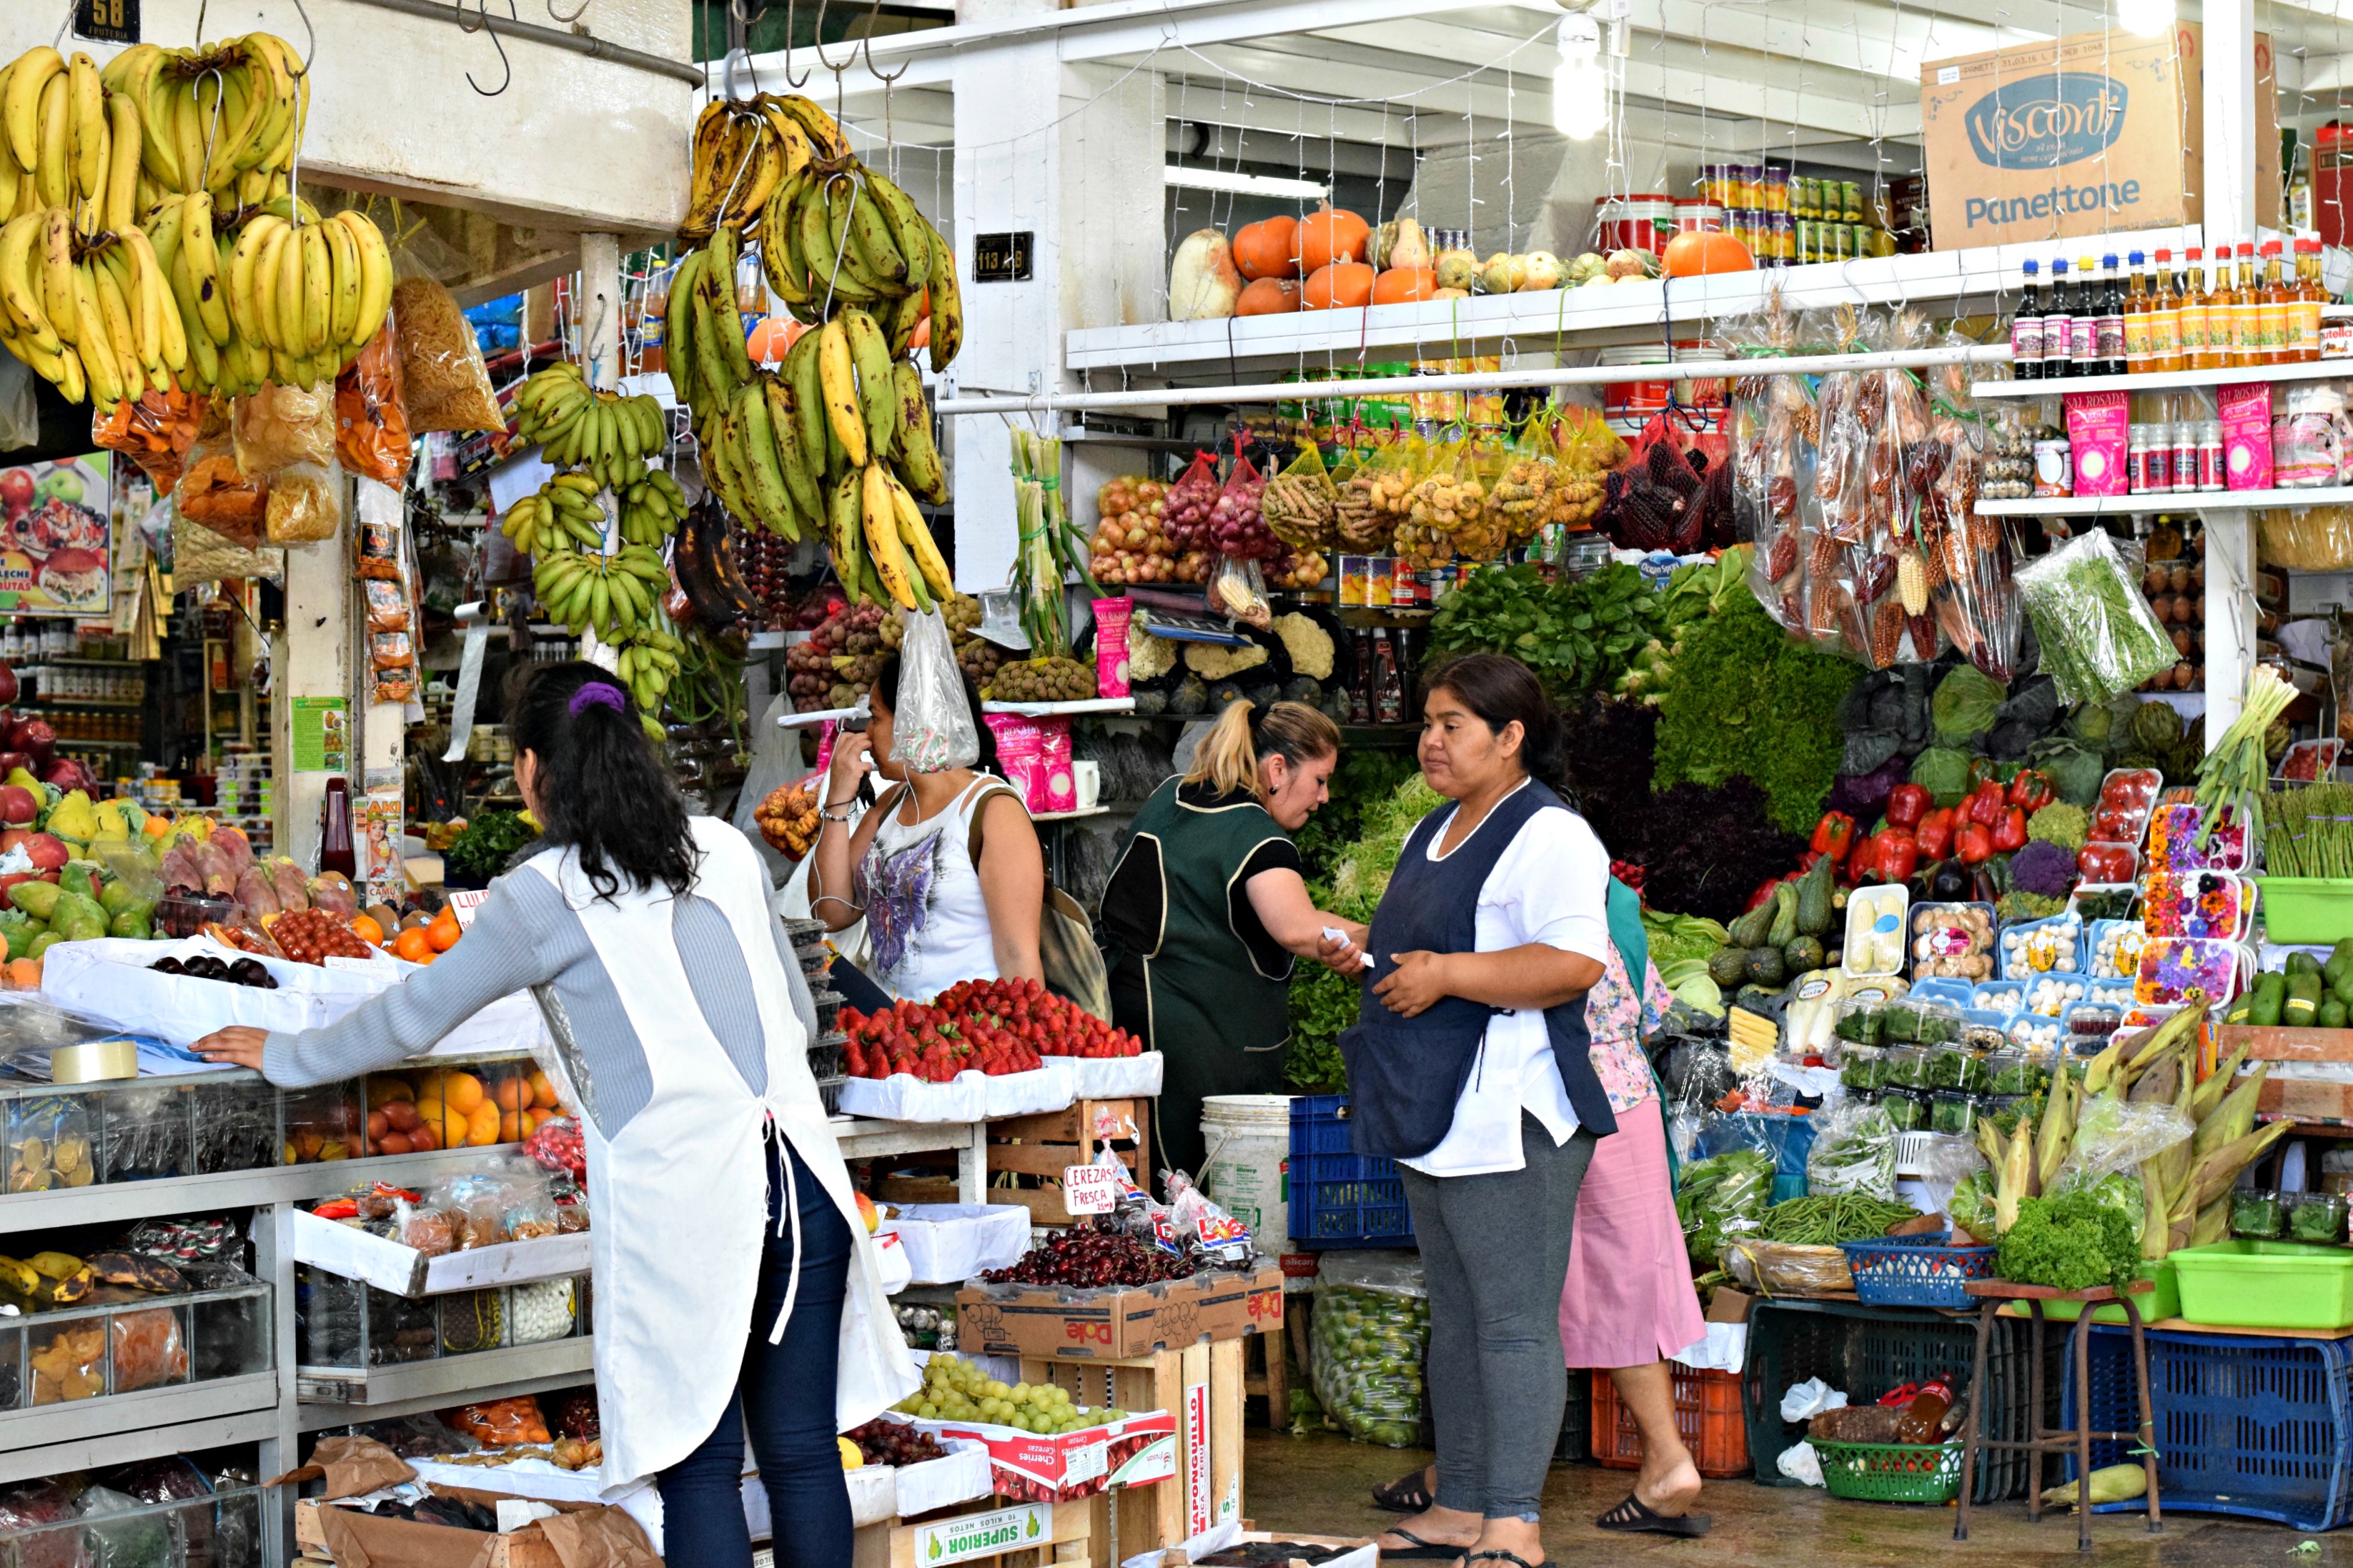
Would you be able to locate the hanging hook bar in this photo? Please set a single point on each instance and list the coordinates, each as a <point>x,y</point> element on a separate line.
<point>481,9</point>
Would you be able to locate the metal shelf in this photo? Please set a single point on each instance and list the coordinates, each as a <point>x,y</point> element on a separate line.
<point>146,1442</point>
<point>121,1201</point>
<point>2167,381</point>
<point>83,702</point>
<point>336,1397</point>
<point>86,1420</point>
<point>2187,500</point>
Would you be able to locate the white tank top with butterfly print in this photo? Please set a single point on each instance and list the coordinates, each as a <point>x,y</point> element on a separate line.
<point>925,917</point>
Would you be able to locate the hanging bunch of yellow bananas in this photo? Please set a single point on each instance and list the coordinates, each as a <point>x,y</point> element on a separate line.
<point>91,315</point>
<point>614,594</point>
<point>70,141</point>
<point>225,118</point>
<point>579,426</point>
<point>836,233</point>
<point>743,148</point>
<point>649,663</point>
<point>287,296</point>
<point>561,514</point>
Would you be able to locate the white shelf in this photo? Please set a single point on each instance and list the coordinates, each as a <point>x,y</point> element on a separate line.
<point>2165,381</point>
<point>83,1420</point>
<point>816,716</point>
<point>364,1394</point>
<point>119,1201</point>
<point>2187,500</point>
<point>160,1436</point>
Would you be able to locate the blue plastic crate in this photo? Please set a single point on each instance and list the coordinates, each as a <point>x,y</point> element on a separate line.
<point>2258,1427</point>
<point>1916,1270</point>
<point>1338,1197</point>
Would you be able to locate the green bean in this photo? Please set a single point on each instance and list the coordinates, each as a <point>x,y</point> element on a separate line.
<point>1825,1219</point>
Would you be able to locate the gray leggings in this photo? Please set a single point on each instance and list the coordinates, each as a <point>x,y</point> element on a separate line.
<point>1494,1253</point>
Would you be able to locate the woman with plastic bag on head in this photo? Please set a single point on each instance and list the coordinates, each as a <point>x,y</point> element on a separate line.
<point>682,1024</point>
<point>945,868</point>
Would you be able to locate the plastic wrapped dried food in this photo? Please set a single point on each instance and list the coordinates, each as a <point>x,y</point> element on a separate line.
<point>304,507</point>
<point>68,1360</point>
<point>2097,634</point>
<point>473,1321</point>
<point>2306,538</point>
<point>500,1423</point>
<point>154,431</point>
<point>443,385</point>
<point>540,1311</point>
<point>371,425</point>
<point>149,1349</point>
<point>214,493</point>
<point>279,426</point>
<point>1774,419</point>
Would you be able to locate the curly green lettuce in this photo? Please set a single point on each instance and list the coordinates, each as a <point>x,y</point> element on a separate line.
<point>2071,1241</point>
<point>1748,702</point>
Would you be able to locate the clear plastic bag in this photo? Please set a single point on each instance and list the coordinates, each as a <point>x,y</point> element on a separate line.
<point>2114,1136</point>
<point>1370,1332</point>
<point>443,385</point>
<point>305,506</point>
<point>154,431</point>
<point>215,494</point>
<point>1945,1161</point>
<point>1724,1194</point>
<point>935,729</point>
<point>1785,1268</point>
<point>1854,1152</point>
<point>1773,420</point>
<point>1238,589</point>
<point>20,419</point>
<point>2097,634</point>
<point>279,426</point>
<point>500,1423</point>
<point>1300,504</point>
<point>2306,538</point>
<point>371,424</point>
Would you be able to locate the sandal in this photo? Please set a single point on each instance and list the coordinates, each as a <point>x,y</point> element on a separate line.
<point>1634,1516</point>
<point>1420,1550</point>
<point>1407,1494</point>
<point>1501,1556</point>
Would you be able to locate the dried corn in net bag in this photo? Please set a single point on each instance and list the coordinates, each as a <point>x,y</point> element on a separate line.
<point>445,385</point>
<point>1301,504</point>
<point>2097,635</point>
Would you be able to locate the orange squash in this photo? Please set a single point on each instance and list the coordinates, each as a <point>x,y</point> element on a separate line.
<point>1267,248</point>
<point>1268,296</point>
<point>1338,286</point>
<point>1696,251</point>
<point>1331,235</point>
<point>1400,284</point>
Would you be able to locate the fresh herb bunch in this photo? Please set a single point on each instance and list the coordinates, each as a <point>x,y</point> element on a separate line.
<point>1322,1004</point>
<point>2071,1241</point>
<point>487,843</point>
<point>1747,700</point>
<point>1577,635</point>
<point>1364,778</point>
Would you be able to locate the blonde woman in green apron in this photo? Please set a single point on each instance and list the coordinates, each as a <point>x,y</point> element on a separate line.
<point>1206,907</point>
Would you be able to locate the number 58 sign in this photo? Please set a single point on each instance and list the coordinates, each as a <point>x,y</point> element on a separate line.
<point>108,21</point>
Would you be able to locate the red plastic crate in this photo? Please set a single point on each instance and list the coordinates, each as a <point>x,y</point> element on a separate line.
<point>1707,1413</point>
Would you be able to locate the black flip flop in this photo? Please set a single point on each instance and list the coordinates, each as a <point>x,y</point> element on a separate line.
<point>1420,1550</point>
<point>1502,1556</point>
<point>1404,1495</point>
<point>1634,1516</point>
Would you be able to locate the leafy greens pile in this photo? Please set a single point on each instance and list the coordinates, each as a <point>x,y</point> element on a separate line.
<point>1578,634</point>
<point>1747,700</point>
<point>485,845</point>
<point>2071,1241</point>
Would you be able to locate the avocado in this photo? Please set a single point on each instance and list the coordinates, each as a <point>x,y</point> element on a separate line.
<point>42,944</point>
<point>2303,996</point>
<point>2331,1015</point>
<point>1803,954</point>
<point>1729,965</point>
<point>2270,997</point>
<point>1814,912</point>
<point>2302,963</point>
<point>78,878</point>
<point>1766,967</point>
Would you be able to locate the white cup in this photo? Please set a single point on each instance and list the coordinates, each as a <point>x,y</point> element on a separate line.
<point>1086,780</point>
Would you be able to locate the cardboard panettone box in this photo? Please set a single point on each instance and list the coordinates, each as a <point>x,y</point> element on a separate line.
<point>1060,1323</point>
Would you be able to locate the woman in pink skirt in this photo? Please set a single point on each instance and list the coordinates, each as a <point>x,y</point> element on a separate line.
<point>1628,1303</point>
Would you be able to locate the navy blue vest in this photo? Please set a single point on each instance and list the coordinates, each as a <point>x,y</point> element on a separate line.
<point>1405,1074</point>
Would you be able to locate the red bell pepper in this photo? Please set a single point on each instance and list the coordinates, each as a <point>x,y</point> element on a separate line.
<point>1973,844</point>
<point>1980,770</point>
<point>1907,804</point>
<point>1936,833</point>
<point>2031,790</point>
<point>1896,854</point>
<point>1834,836</point>
<point>2009,833</point>
<point>1985,806</point>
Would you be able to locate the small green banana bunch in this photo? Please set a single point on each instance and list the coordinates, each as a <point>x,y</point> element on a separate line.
<point>649,663</point>
<point>607,436</point>
<point>613,594</point>
<point>650,508</point>
<point>561,514</point>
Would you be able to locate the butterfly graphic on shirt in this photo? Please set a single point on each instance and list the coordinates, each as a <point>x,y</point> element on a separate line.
<point>896,889</point>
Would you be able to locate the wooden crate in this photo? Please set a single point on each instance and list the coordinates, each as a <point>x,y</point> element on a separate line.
<point>1065,1534</point>
<point>1202,1387</point>
<point>1042,1147</point>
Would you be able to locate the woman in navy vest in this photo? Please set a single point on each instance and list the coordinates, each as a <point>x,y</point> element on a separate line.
<point>1470,1066</point>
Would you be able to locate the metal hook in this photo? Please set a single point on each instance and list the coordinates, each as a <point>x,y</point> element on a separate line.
<point>818,43</point>
<point>792,81</point>
<point>481,9</point>
<point>576,15</point>
<point>874,13</point>
<point>309,41</point>
<point>727,72</point>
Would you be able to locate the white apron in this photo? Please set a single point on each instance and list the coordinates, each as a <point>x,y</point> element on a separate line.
<point>680,1196</point>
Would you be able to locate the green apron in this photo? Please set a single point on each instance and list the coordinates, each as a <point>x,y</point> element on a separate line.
<point>1222,1023</point>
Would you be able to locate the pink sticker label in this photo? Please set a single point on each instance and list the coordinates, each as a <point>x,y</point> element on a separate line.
<point>2246,411</point>
<point>2099,428</point>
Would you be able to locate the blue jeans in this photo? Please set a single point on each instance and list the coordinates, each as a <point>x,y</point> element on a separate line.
<point>787,1391</point>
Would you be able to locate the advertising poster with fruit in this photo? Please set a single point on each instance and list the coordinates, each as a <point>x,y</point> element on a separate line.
<point>56,545</point>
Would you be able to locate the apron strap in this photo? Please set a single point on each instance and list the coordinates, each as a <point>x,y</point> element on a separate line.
<point>789,1212</point>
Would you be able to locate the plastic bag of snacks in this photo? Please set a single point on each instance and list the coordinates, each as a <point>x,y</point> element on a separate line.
<point>935,728</point>
<point>214,493</point>
<point>1301,504</point>
<point>1371,1330</point>
<point>1969,558</point>
<point>279,426</point>
<point>1237,528</point>
<point>1773,420</point>
<point>371,425</point>
<point>2306,538</point>
<point>443,385</point>
<point>2097,632</point>
<point>154,431</point>
<point>305,505</point>
<point>1185,509</point>
<point>500,1423</point>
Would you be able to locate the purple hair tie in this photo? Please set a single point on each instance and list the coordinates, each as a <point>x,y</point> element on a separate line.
<point>595,694</point>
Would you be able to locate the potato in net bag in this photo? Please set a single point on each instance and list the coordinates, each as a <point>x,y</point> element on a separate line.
<point>1301,504</point>
<point>445,385</point>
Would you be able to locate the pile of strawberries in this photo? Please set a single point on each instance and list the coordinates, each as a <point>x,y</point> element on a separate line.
<point>992,1026</point>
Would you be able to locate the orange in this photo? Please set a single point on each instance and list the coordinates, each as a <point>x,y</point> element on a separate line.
<point>510,1127</point>
<point>482,1127</point>
<point>432,1114</point>
<point>534,1117</point>
<point>23,974</point>
<point>367,931</point>
<point>543,1094</point>
<point>443,930</point>
<point>512,1093</point>
<point>414,946</point>
<point>463,1091</point>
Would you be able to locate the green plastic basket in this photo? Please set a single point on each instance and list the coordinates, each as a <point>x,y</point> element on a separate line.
<point>2307,912</point>
<point>1890,1472</point>
<point>2156,1306</point>
<point>2267,1285</point>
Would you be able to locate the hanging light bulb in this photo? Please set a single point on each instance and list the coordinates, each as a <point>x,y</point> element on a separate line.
<point>2145,18</point>
<point>1580,88</point>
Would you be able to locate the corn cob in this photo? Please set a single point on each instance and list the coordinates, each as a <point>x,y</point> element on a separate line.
<point>1912,582</point>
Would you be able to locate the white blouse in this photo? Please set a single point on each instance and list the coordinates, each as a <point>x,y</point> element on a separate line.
<point>1551,885</point>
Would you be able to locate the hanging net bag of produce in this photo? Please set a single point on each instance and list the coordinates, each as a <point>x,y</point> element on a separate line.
<point>933,728</point>
<point>1237,528</point>
<point>1374,499</point>
<point>1184,510</point>
<point>1300,504</point>
<point>2097,634</point>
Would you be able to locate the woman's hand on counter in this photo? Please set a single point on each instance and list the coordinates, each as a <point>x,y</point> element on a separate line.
<point>235,1046</point>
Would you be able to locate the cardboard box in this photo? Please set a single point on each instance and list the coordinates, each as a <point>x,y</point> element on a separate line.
<point>1136,1450</point>
<point>595,1536</point>
<point>2089,135</point>
<point>1729,1306</point>
<point>1058,1322</point>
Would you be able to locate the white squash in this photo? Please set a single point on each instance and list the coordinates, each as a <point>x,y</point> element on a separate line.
<point>1203,283</point>
<point>1410,247</point>
<point>1543,270</point>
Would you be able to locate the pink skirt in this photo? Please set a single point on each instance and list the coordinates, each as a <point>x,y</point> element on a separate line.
<point>1628,1300</point>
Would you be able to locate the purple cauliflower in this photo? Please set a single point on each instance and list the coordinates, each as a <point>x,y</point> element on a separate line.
<point>2042,867</point>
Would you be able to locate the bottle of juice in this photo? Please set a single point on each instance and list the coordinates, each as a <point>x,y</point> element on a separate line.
<point>2197,344</point>
<point>2164,316</point>
<point>2137,308</point>
<point>2059,325</point>
<point>2110,349</point>
<point>2246,313</point>
<point>2273,306</point>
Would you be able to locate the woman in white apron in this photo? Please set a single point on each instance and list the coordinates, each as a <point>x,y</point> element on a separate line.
<point>729,1255</point>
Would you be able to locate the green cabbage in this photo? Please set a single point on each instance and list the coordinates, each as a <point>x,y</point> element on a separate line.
<point>1966,704</point>
<point>1944,773</point>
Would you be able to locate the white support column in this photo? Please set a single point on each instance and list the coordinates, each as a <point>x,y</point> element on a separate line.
<point>316,658</point>
<point>601,308</point>
<point>2229,112</point>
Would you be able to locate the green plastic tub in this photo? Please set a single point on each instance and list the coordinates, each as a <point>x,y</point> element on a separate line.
<point>2307,912</point>
<point>2267,1285</point>
<point>2165,1301</point>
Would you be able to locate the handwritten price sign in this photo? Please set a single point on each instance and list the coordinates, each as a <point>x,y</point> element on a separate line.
<point>1090,1189</point>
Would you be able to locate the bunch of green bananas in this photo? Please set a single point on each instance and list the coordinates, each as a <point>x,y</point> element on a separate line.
<point>561,514</point>
<point>650,508</point>
<point>837,233</point>
<point>614,594</point>
<point>579,426</point>
<point>649,663</point>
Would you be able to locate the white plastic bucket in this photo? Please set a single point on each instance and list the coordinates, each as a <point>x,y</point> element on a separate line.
<point>1246,1163</point>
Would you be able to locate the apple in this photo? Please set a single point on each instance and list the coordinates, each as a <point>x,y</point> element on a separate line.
<point>47,850</point>
<point>17,806</point>
<point>15,763</point>
<point>68,775</point>
<point>7,682</point>
<point>60,483</point>
<point>869,1213</point>
<point>15,491</point>
<point>33,737</point>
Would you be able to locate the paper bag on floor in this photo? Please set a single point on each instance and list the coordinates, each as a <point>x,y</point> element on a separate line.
<point>599,1538</point>
<point>353,1466</point>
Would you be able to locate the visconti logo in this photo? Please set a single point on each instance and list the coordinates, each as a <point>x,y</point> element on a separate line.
<point>2047,122</point>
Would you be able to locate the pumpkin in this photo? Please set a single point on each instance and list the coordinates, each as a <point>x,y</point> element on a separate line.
<point>1338,286</point>
<point>1268,296</point>
<point>1268,248</point>
<point>1457,270</point>
<point>1503,273</point>
<point>1697,251</point>
<point>1400,284</point>
<point>1543,270</point>
<point>1331,235</point>
<point>1451,294</point>
<point>1202,282</point>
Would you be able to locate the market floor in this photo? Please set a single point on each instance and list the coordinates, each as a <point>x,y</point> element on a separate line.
<point>1318,1484</point>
